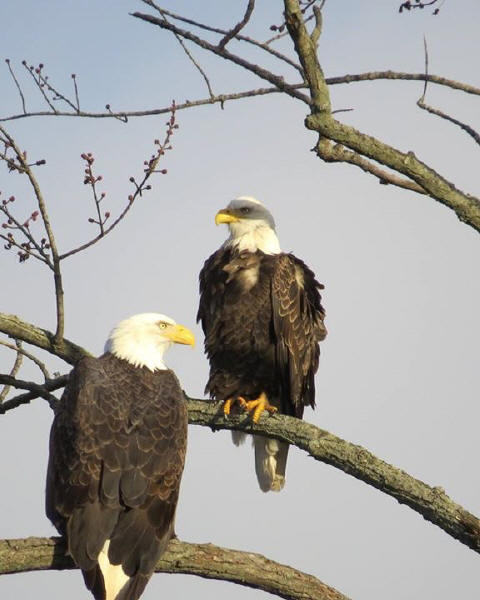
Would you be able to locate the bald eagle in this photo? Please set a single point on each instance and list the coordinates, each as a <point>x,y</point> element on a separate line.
<point>117,450</point>
<point>261,313</point>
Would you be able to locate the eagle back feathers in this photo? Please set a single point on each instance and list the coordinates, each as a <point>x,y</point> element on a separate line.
<point>117,450</point>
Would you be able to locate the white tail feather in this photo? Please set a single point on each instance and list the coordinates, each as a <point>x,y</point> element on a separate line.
<point>270,462</point>
<point>114,577</point>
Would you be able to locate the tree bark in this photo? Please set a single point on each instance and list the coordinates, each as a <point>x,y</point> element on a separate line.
<point>204,560</point>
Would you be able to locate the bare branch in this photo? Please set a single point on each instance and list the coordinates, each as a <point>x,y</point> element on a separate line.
<point>15,328</point>
<point>37,391</point>
<point>150,169</point>
<point>18,348</point>
<point>222,98</point>
<point>431,502</point>
<point>13,371</point>
<point>204,560</point>
<point>242,38</point>
<point>337,153</point>
<point>224,53</point>
<point>22,97</point>
<point>239,26</point>
<point>466,207</point>
<point>434,111</point>
<point>21,158</point>
<point>191,57</point>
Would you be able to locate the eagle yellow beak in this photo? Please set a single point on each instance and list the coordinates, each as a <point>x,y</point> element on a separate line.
<point>226,216</point>
<point>181,335</point>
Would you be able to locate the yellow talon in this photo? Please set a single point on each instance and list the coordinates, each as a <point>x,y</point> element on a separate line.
<point>227,405</point>
<point>258,406</point>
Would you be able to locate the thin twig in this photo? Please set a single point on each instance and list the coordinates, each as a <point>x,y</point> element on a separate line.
<point>239,26</point>
<point>74,77</point>
<point>222,98</point>
<point>28,355</point>
<point>241,38</point>
<point>14,370</point>
<point>30,70</point>
<point>51,239</point>
<point>139,187</point>
<point>192,59</point>
<point>22,97</point>
<point>435,111</point>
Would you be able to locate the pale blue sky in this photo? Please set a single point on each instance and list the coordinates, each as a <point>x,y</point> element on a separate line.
<point>399,370</point>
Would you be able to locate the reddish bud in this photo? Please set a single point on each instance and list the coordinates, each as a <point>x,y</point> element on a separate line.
<point>132,179</point>
<point>107,215</point>
<point>148,187</point>
<point>99,178</point>
<point>40,66</point>
<point>24,63</point>
<point>7,60</point>
<point>73,75</point>
<point>11,199</point>
<point>102,195</point>
<point>130,198</point>
<point>107,106</point>
<point>4,225</point>
<point>164,171</point>
<point>90,220</point>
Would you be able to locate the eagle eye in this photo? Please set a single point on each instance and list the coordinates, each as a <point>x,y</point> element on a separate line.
<point>245,210</point>
<point>162,324</point>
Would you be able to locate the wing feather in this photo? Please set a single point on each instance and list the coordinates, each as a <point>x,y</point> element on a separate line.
<point>298,318</point>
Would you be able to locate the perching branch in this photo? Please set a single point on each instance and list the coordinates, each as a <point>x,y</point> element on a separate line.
<point>203,560</point>
<point>431,502</point>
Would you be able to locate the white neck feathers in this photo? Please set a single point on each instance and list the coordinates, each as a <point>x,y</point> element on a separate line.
<point>260,237</point>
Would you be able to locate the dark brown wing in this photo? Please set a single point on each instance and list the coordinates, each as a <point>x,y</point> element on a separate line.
<point>298,323</point>
<point>117,451</point>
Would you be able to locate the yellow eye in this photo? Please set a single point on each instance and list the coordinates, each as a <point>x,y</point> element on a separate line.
<point>162,325</point>
<point>245,210</point>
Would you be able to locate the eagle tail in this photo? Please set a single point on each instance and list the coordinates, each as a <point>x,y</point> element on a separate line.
<point>270,463</point>
<point>238,437</point>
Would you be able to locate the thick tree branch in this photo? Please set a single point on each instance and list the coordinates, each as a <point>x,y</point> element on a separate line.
<point>204,560</point>
<point>431,502</point>
<point>466,207</point>
<point>15,328</point>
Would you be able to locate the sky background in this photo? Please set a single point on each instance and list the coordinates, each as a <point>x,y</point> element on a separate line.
<point>399,369</point>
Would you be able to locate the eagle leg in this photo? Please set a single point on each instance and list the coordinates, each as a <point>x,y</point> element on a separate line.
<point>258,405</point>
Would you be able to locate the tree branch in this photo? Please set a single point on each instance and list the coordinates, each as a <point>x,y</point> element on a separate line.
<point>277,80</point>
<point>57,276</point>
<point>431,502</point>
<point>15,328</point>
<point>36,391</point>
<point>466,207</point>
<point>204,560</point>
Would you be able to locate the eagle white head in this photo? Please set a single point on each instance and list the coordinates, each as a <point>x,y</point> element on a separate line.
<point>251,225</point>
<point>143,339</point>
